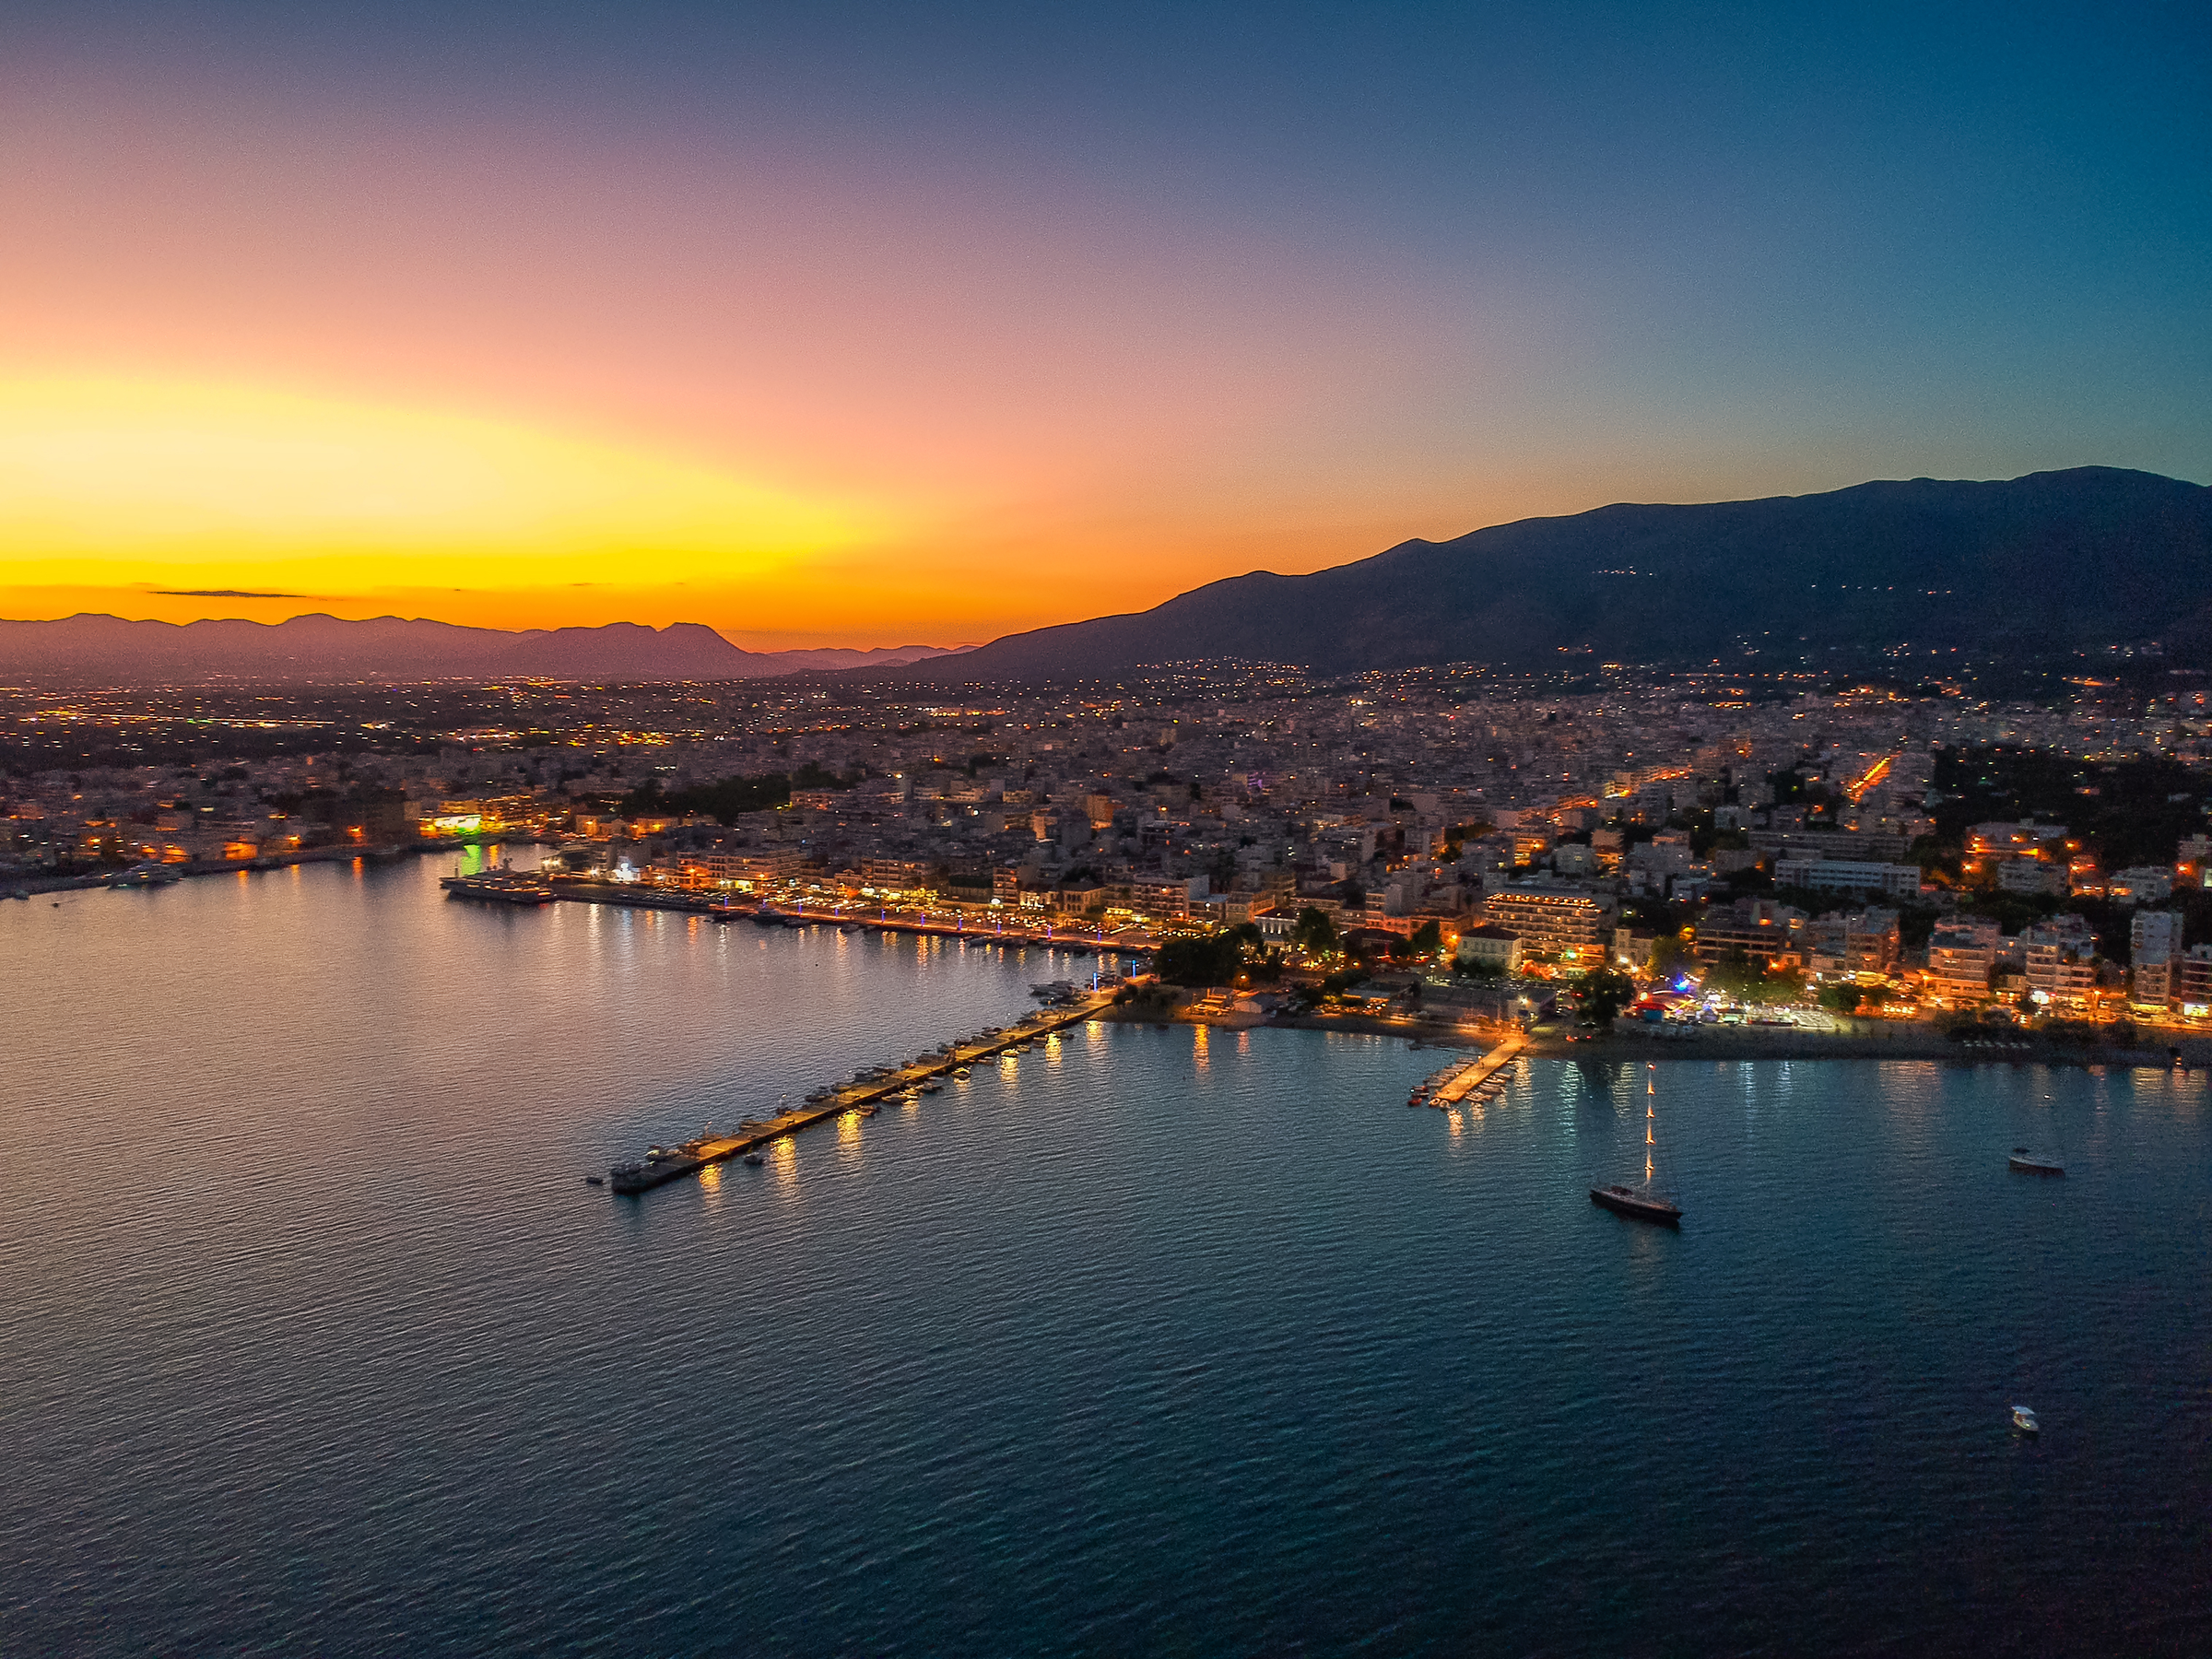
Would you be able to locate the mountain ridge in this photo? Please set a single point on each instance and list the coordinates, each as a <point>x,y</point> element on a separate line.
<point>2055,561</point>
<point>95,648</point>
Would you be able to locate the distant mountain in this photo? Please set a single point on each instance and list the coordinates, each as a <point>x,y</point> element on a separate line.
<point>2048,563</point>
<point>98,650</point>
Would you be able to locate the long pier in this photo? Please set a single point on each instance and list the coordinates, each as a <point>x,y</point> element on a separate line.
<point>1469,1078</point>
<point>660,1166</point>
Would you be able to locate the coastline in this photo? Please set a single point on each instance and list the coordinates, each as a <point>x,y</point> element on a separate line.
<point>1872,1040</point>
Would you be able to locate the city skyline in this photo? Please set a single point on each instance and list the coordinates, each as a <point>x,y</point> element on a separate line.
<point>829,333</point>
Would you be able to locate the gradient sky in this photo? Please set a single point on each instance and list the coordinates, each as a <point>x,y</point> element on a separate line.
<point>859,325</point>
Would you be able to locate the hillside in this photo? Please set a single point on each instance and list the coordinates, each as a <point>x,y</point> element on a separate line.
<point>2047,563</point>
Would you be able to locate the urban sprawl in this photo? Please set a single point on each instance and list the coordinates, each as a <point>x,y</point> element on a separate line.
<point>1707,846</point>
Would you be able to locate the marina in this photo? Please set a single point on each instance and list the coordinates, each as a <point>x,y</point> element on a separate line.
<point>1458,1082</point>
<point>534,887</point>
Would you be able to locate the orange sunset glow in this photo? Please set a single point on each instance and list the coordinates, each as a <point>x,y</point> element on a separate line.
<point>511,386</point>
<point>495,335</point>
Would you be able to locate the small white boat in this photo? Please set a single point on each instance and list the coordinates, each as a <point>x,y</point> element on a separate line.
<point>2023,1421</point>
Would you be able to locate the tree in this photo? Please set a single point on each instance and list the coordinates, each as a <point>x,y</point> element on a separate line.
<point>1313,932</point>
<point>1751,982</point>
<point>1427,939</point>
<point>723,801</point>
<point>1669,956</point>
<point>1212,959</point>
<point>1603,996</point>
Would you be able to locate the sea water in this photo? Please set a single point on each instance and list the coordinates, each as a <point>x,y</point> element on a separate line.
<point>1156,1339</point>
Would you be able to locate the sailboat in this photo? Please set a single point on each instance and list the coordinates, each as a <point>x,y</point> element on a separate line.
<point>1642,1203</point>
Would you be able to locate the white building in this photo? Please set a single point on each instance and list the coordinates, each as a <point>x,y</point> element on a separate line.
<point>1961,954</point>
<point>2155,943</point>
<point>1840,875</point>
<point>2145,884</point>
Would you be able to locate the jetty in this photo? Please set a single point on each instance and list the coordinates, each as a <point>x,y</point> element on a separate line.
<point>662,1165</point>
<point>1464,1079</point>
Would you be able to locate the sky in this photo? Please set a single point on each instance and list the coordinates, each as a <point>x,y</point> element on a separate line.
<point>856,325</point>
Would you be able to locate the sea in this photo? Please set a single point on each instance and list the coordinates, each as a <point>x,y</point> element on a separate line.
<point>1158,1340</point>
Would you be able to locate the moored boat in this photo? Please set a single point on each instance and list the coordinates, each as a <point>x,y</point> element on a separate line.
<point>1638,1204</point>
<point>1641,1202</point>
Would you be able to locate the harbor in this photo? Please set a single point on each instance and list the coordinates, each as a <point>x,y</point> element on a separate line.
<point>534,887</point>
<point>864,1093</point>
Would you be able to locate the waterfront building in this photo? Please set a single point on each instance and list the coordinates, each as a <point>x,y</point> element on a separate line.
<point>2191,982</point>
<point>1757,929</point>
<point>1489,946</point>
<point>1554,918</point>
<point>2063,975</point>
<point>1961,952</point>
<point>2154,944</point>
<point>1866,943</point>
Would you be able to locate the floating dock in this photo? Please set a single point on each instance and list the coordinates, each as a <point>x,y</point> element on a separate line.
<point>660,1166</point>
<point>1464,1080</point>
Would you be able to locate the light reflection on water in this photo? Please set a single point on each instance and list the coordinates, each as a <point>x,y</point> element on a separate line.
<point>316,1341</point>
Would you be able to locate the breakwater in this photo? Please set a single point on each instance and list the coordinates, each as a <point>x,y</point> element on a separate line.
<point>662,1165</point>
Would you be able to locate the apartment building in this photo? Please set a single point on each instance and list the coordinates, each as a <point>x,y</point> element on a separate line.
<point>1849,945</point>
<point>1553,918</point>
<point>1961,952</point>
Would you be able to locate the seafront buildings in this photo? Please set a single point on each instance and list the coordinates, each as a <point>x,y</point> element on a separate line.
<point>1662,824</point>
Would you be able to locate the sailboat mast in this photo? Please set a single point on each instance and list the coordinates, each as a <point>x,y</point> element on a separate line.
<point>1651,1093</point>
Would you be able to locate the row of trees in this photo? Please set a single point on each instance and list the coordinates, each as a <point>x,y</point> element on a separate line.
<point>1218,959</point>
<point>724,801</point>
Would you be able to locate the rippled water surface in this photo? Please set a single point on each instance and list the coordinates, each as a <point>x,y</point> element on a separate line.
<point>1158,1341</point>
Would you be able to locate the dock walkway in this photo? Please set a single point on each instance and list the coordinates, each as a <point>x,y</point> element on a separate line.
<point>1472,1078</point>
<point>695,1155</point>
